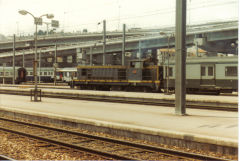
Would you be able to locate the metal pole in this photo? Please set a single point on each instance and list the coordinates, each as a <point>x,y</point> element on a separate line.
<point>4,65</point>
<point>123,44</point>
<point>91,55</point>
<point>180,88</point>
<point>197,48</point>
<point>139,49</point>
<point>40,66</point>
<point>23,60</point>
<point>35,64</point>
<point>47,28</point>
<point>55,66</point>
<point>168,66</point>
<point>104,42</point>
<point>14,43</point>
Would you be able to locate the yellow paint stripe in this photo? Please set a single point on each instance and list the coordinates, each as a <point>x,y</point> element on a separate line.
<point>117,81</point>
<point>104,67</point>
<point>114,67</point>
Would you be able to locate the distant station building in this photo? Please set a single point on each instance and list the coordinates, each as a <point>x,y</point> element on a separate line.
<point>191,52</point>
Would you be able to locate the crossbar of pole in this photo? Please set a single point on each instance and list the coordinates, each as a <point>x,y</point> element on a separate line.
<point>180,41</point>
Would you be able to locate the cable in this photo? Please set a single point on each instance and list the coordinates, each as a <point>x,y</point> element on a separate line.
<point>166,11</point>
<point>194,5</point>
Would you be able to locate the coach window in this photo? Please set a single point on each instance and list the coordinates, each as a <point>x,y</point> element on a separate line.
<point>31,73</point>
<point>84,72</point>
<point>132,64</point>
<point>45,73</point>
<point>49,60</point>
<point>69,59</point>
<point>210,71</point>
<point>138,64</point>
<point>203,71</point>
<point>230,71</point>
<point>59,59</point>
<point>1,73</point>
<point>170,72</point>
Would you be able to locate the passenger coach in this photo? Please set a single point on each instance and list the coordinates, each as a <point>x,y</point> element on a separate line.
<point>212,74</point>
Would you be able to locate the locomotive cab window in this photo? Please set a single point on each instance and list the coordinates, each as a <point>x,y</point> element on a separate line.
<point>138,64</point>
<point>231,71</point>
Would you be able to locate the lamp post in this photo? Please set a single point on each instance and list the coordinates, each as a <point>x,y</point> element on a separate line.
<point>169,36</point>
<point>37,20</point>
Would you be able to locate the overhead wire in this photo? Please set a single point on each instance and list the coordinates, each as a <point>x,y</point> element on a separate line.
<point>198,5</point>
<point>166,11</point>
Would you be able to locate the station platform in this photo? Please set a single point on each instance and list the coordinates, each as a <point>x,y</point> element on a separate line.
<point>139,121</point>
<point>208,99</point>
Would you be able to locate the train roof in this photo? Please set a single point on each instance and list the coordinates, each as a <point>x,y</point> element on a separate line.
<point>74,69</point>
<point>216,60</point>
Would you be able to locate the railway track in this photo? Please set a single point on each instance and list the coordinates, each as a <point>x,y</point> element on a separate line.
<point>2,157</point>
<point>66,86</point>
<point>143,101</point>
<point>102,146</point>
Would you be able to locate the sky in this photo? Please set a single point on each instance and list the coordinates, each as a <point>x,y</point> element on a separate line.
<point>76,15</point>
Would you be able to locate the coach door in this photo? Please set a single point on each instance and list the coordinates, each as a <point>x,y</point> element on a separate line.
<point>208,75</point>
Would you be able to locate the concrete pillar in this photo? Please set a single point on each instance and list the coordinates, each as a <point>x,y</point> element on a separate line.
<point>91,56</point>
<point>14,42</point>
<point>104,42</point>
<point>78,55</point>
<point>123,44</point>
<point>139,50</point>
<point>23,60</point>
<point>180,41</point>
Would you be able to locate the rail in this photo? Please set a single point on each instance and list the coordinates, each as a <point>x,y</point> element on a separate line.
<point>3,157</point>
<point>103,146</point>
<point>220,106</point>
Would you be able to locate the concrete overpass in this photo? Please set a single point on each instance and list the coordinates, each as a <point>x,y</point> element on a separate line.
<point>51,40</point>
<point>216,37</point>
